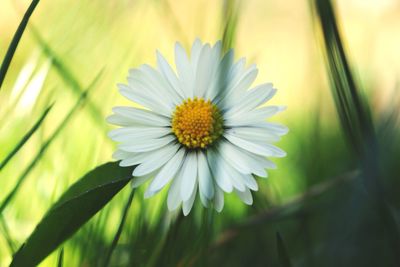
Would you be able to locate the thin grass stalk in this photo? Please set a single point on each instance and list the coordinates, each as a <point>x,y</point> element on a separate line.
<point>230,21</point>
<point>7,236</point>
<point>15,41</point>
<point>46,144</point>
<point>25,138</point>
<point>120,228</point>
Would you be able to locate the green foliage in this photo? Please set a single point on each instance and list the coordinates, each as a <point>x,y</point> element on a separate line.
<point>74,208</point>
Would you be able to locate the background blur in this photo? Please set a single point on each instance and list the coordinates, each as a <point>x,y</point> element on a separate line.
<point>312,199</point>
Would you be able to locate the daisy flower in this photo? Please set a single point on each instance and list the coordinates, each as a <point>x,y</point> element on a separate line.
<point>201,128</point>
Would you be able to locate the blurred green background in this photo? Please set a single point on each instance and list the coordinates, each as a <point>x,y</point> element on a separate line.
<point>315,199</point>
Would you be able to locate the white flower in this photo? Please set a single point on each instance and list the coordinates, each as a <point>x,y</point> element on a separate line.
<point>201,128</point>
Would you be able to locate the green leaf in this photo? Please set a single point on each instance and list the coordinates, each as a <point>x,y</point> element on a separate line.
<point>75,207</point>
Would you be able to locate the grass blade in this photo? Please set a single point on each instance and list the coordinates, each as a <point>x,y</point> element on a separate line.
<point>46,145</point>
<point>66,74</point>
<point>14,42</point>
<point>7,236</point>
<point>356,120</point>
<point>353,110</point>
<point>120,227</point>
<point>231,18</point>
<point>25,138</point>
<point>60,258</point>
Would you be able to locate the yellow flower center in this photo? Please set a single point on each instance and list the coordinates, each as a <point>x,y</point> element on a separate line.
<point>197,123</point>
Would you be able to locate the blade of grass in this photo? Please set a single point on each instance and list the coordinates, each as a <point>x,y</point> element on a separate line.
<point>67,76</point>
<point>60,260</point>
<point>25,138</point>
<point>229,25</point>
<point>7,236</point>
<point>120,228</point>
<point>14,42</point>
<point>356,119</point>
<point>47,143</point>
<point>353,110</point>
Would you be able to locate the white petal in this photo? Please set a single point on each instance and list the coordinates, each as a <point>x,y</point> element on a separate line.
<point>204,200</point>
<point>195,53</point>
<point>250,182</point>
<point>144,98</point>
<point>220,77</point>
<point>259,149</point>
<point>217,51</point>
<point>152,83</point>
<point>133,159</point>
<point>243,161</point>
<point>235,176</point>
<point>206,185</point>
<point>219,199</point>
<point>169,75</point>
<point>138,181</point>
<point>254,134</point>
<point>184,70</point>
<point>155,160</point>
<point>137,132</point>
<point>148,144</point>
<point>119,154</point>
<point>279,153</point>
<point>245,80</point>
<point>237,86</point>
<point>252,99</point>
<point>276,128</point>
<point>154,80</point>
<point>251,117</point>
<point>188,204</point>
<point>203,71</point>
<point>215,59</point>
<point>218,170</point>
<point>174,197</point>
<point>166,173</point>
<point>129,116</point>
<point>189,175</point>
<point>245,196</point>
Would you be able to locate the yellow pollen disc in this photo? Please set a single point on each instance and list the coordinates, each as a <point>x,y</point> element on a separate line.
<point>197,123</point>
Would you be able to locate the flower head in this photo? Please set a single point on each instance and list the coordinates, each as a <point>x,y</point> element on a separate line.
<point>200,129</point>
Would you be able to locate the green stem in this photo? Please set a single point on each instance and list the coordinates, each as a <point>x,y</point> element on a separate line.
<point>120,228</point>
